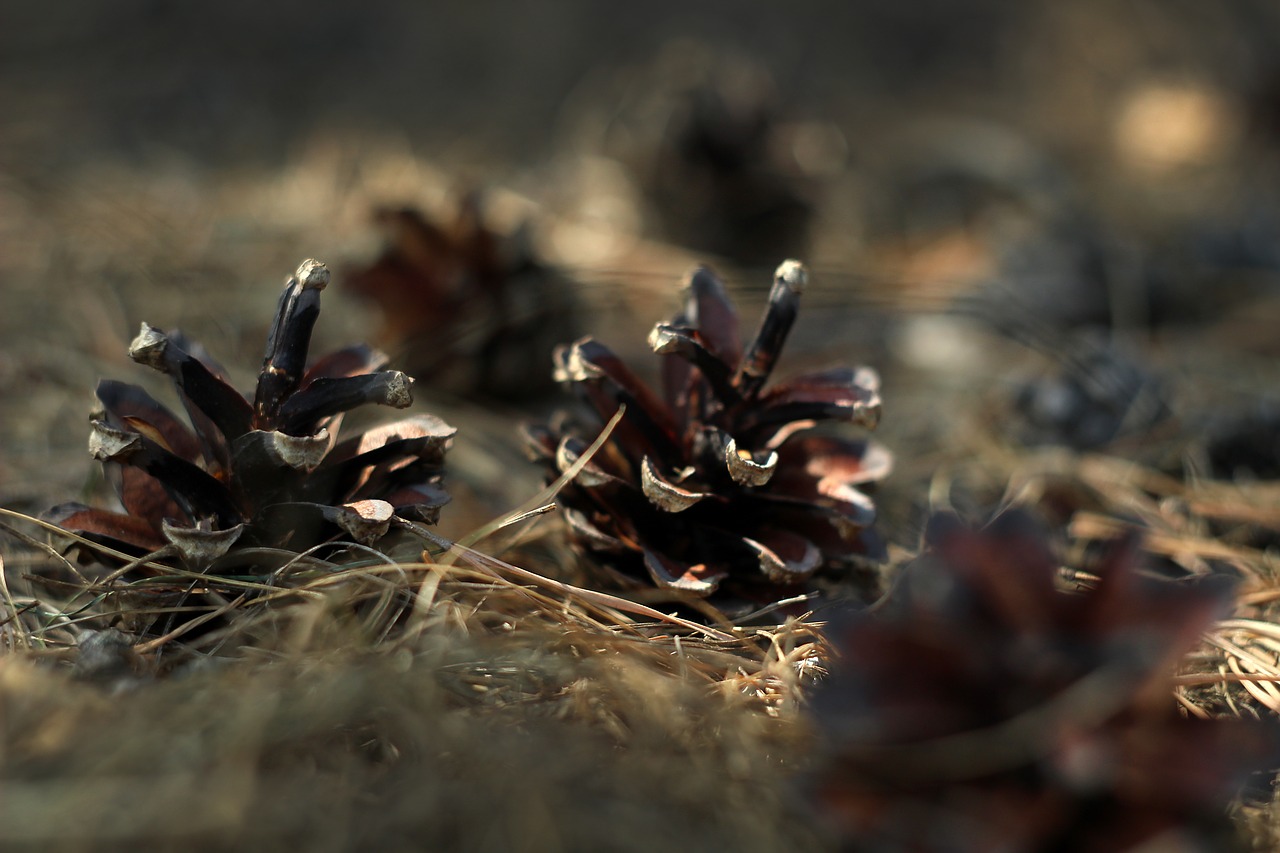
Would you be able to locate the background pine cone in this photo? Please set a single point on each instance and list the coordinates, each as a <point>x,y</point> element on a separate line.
<point>985,706</point>
<point>466,303</point>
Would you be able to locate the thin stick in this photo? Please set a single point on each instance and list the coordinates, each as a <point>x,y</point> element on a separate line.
<point>548,494</point>
<point>600,599</point>
<point>185,627</point>
<point>21,634</point>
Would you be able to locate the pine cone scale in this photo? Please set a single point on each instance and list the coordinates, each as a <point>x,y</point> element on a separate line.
<point>288,342</point>
<point>198,385</point>
<point>711,313</point>
<point>775,326</point>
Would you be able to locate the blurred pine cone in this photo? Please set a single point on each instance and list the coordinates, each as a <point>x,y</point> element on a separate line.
<point>724,167</point>
<point>983,706</point>
<point>1244,445</point>
<point>719,477</point>
<point>1100,394</point>
<point>262,472</point>
<point>471,307</point>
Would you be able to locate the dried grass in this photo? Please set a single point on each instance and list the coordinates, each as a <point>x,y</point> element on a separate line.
<point>403,706</point>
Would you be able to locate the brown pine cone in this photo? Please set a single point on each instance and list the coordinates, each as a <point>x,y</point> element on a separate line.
<point>719,477</point>
<point>266,471</point>
<point>985,706</point>
<point>473,308</point>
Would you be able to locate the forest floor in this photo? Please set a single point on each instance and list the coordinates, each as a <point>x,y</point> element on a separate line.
<point>1069,286</point>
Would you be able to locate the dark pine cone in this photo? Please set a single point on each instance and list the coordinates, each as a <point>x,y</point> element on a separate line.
<point>985,706</point>
<point>267,471</point>
<point>720,477</point>
<point>470,306</point>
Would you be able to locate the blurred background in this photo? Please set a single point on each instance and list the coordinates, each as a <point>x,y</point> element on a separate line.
<point>1044,224</point>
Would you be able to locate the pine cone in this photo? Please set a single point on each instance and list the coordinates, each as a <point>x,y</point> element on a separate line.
<point>983,706</point>
<point>471,307</point>
<point>720,477</point>
<point>1101,394</point>
<point>267,471</point>
<point>725,165</point>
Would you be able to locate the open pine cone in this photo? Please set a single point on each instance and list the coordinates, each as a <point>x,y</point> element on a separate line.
<point>719,477</point>
<point>984,706</point>
<point>266,471</point>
